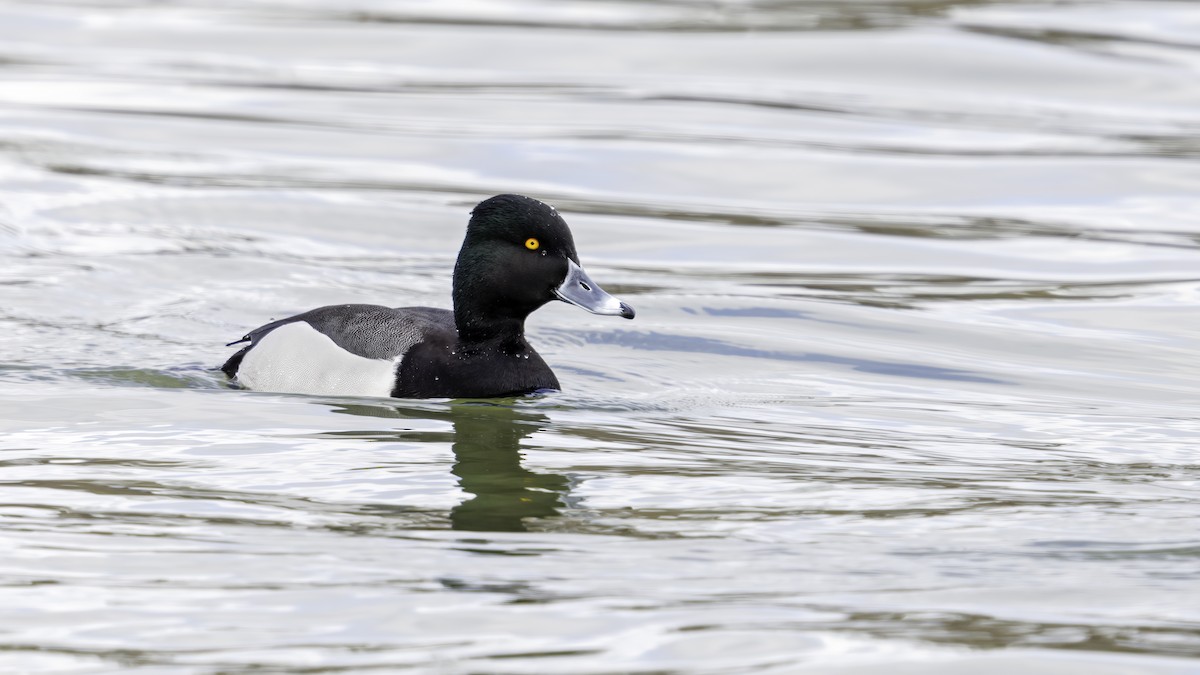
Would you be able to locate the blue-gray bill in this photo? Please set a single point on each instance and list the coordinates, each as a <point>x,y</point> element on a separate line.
<point>578,289</point>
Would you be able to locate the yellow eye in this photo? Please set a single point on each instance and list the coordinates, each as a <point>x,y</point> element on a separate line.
<point>532,244</point>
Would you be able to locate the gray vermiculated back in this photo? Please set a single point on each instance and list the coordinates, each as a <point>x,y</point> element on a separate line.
<point>370,331</point>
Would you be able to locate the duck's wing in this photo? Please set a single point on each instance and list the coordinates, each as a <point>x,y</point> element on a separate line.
<point>369,331</point>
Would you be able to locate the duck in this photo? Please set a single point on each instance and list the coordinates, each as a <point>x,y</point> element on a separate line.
<point>518,255</point>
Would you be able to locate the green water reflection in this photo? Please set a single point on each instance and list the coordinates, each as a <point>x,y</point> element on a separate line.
<point>486,441</point>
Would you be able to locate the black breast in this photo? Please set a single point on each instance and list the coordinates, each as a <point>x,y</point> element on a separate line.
<point>444,368</point>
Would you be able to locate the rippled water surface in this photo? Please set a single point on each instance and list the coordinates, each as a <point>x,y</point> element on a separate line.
<point>913,386</point>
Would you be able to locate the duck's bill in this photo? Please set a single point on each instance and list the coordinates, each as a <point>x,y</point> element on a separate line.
<point>578,289</point>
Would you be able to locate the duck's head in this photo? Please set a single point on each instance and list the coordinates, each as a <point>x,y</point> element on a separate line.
<point>517,256</point>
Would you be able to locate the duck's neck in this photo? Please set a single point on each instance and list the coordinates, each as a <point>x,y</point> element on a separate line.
<point>475,327</point>
<point>482,314</point>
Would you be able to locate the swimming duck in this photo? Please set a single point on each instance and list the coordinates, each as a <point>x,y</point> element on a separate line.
<point>518,254</point>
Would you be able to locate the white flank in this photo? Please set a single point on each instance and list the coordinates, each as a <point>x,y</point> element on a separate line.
<point>298,359</point>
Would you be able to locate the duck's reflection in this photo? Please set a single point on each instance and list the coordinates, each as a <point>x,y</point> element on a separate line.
<point>486,444</point>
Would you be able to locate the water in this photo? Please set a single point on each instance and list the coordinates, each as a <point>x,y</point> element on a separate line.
<point>912,387</point>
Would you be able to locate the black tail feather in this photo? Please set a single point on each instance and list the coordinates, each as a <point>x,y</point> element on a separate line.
<point>231,366</point>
